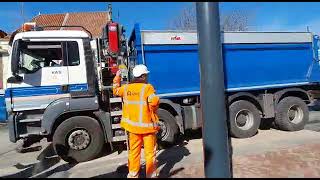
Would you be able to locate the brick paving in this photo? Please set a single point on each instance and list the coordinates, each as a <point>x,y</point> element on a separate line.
<point>295,162</point>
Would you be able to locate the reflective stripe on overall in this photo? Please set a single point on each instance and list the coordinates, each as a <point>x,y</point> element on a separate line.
<point>141,104</point>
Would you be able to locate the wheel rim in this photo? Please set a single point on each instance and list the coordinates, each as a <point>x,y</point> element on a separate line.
<point>295,114</point>
<point>244,119</point>
<point>79,139</point>
<point>163,129</point>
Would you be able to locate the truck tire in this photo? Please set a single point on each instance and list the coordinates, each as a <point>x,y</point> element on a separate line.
<point>169,128</point>
<point>244,119</point>
<point>78,139</point>
<point>292,114</point>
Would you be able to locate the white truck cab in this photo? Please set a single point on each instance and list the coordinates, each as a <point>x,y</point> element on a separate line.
<point>50,65</point>
<point>53,93</point>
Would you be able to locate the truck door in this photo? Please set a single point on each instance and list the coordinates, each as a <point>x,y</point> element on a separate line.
<point>44,67</point>
<point>77,72</point>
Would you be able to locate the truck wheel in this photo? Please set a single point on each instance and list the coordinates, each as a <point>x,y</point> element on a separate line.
<point>291,114</point>
<point>244,119</point>
<point>168,128</point>
<point>78,139</point>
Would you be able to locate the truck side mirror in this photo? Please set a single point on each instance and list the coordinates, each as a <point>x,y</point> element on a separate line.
<point>15,79</point>
<point>15,56</point>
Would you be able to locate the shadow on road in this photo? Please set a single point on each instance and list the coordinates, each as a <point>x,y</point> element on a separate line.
<point>315,106</point>
<point>190,135</point>
<point>120,172</point>
<point>267,124</point>
<point>47,159</point>
<point>167,158</point>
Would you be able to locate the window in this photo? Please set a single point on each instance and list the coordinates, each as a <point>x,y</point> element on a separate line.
<point>73,53</point>
<point>36,55</point>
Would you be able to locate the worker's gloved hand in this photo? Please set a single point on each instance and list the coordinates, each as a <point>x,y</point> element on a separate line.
<point>118,73</point>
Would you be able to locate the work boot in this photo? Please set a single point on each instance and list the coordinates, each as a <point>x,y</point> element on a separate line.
<point>155,174</point>
<point>133,175</point>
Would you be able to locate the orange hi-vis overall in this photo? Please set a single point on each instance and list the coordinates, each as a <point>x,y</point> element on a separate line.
<point>140,119</point>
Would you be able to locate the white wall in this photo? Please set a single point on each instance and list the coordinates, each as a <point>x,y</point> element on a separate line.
<point>5,61</point>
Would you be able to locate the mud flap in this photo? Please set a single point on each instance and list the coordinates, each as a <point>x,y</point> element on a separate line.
<point>12,129</point>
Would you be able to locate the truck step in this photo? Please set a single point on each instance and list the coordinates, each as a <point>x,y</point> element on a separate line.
<point>29,120</point>
<point>29,134</point>
<point>115,99</point>
<point>119,138</point>
<point>116,126</point>
<point>116,113</point>
<point>106,87</point>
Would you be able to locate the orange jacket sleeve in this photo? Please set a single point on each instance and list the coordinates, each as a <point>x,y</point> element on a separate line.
<point>153,101</point>
<point>117,89</point>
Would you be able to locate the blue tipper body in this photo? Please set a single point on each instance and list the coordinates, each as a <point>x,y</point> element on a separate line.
<point>252,60</point>
<point>3,112</point>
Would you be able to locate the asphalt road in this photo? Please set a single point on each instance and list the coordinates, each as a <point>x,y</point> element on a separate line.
<point>45,163</point>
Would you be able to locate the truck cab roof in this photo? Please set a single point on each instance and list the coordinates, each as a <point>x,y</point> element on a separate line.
<point>52,34</point>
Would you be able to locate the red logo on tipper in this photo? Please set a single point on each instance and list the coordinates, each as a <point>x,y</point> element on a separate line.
<point>175,38</point>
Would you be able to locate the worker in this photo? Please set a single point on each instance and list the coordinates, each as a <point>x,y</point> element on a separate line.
<point>139,119</point>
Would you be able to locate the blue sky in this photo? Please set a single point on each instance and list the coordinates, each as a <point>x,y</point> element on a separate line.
<point>266,16</point>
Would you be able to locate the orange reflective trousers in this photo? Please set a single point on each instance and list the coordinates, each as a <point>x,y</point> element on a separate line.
<point>149,142</point>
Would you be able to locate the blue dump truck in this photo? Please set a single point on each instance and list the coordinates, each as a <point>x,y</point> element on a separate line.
<point>61,84</point>
<point>269,76</point>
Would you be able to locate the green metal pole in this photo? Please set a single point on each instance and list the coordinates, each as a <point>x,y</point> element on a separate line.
<point>214,130</point>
